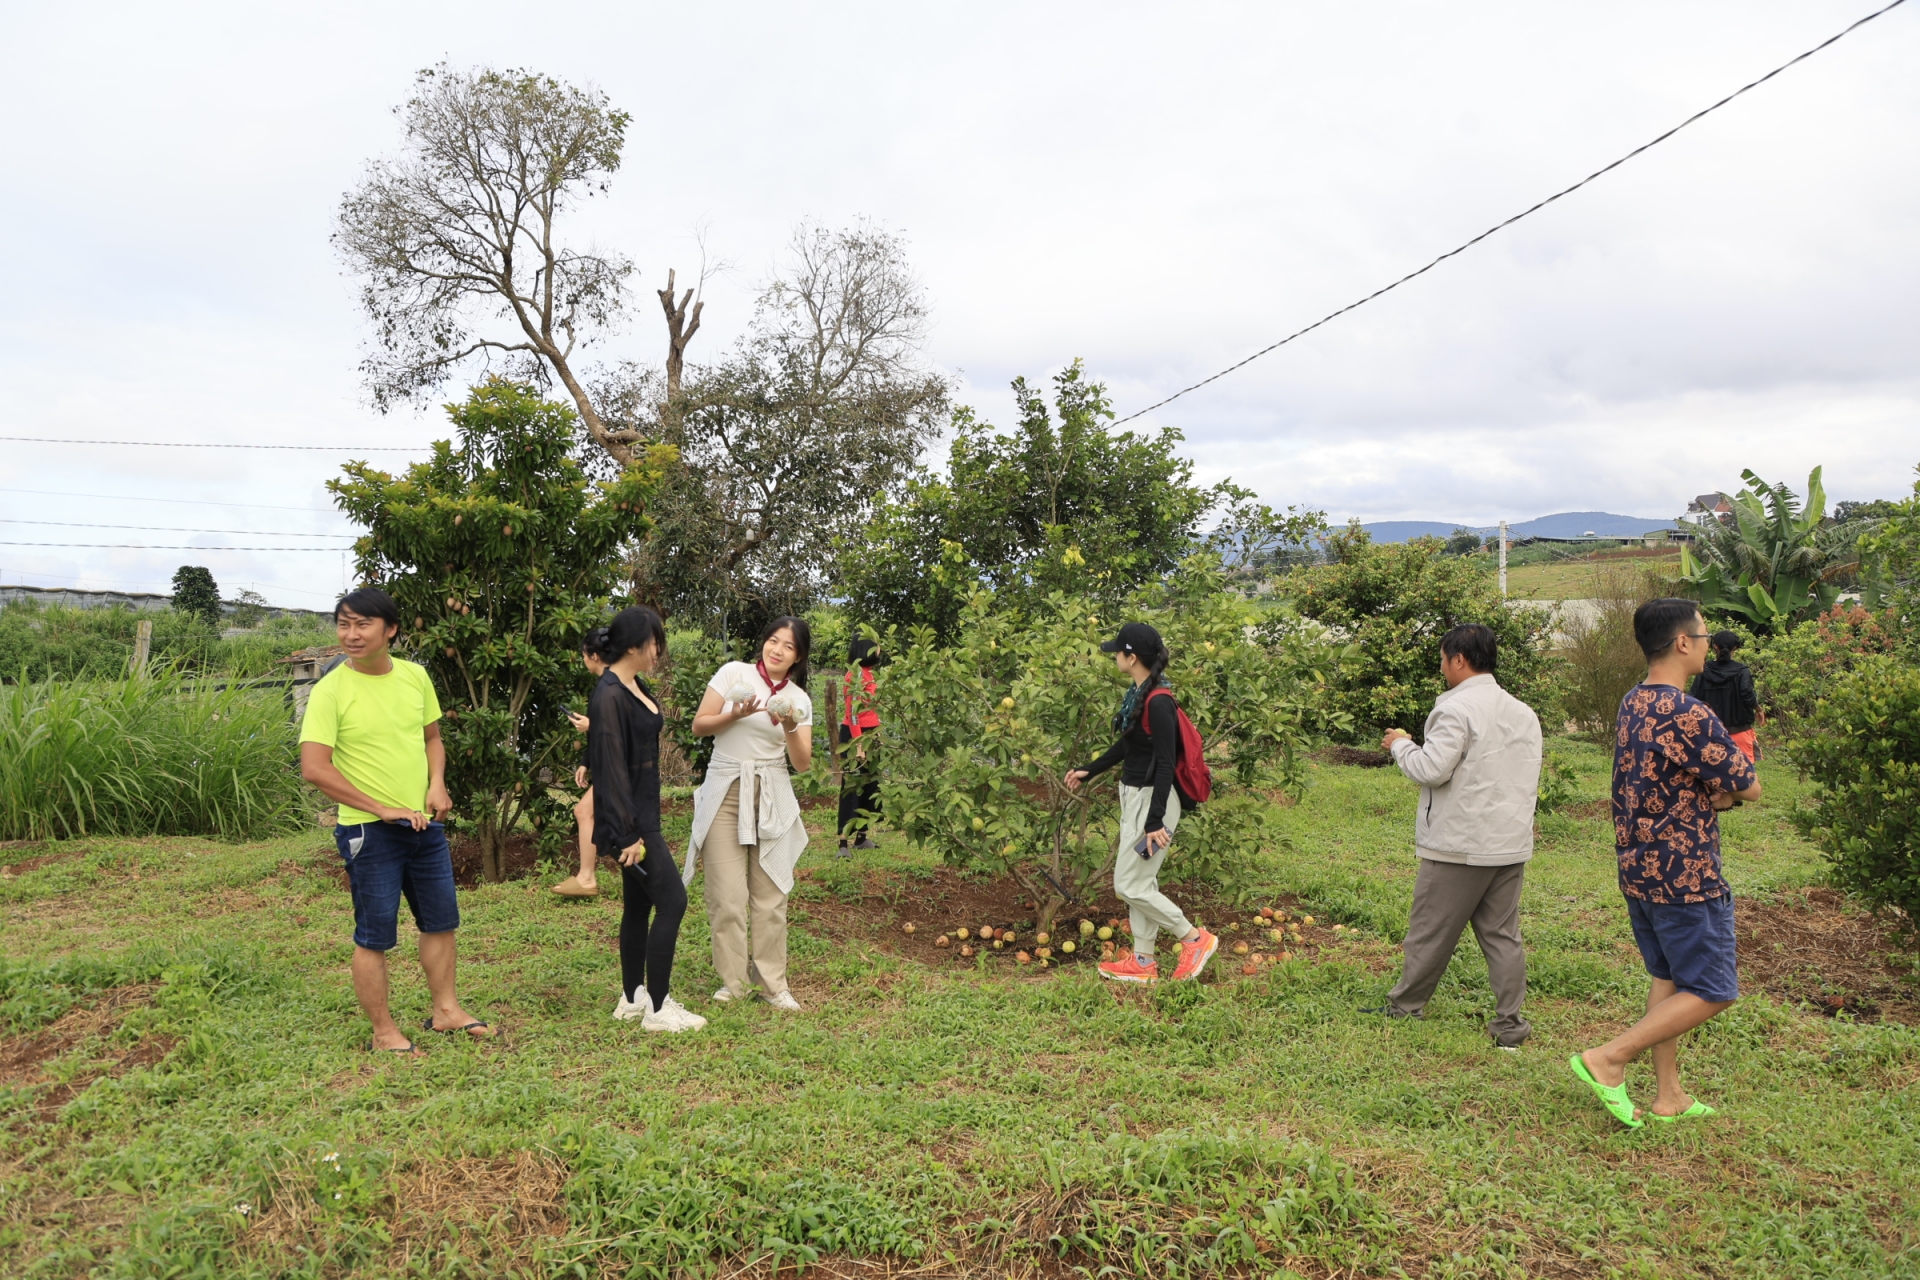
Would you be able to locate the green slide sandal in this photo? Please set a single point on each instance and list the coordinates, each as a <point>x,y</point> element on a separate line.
<point>1612,1097</point>
<point>1696,1110</point>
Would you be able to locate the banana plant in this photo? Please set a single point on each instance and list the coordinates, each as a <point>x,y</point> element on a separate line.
<point>1770,563</point>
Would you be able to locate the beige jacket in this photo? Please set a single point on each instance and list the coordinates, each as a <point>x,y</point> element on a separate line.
<point>1479,774</point>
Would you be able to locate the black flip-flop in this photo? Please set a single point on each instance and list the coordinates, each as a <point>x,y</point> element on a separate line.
<point>411,1050</point>
<point>452,1031</point>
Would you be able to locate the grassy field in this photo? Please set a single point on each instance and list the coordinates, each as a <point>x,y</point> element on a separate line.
<point>186,1090</point>
<point>1573,579</point>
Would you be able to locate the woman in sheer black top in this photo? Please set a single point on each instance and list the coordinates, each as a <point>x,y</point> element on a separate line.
<point>623,755</point>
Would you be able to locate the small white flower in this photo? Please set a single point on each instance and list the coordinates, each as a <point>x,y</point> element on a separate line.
<point>243,1208</point>
<point>336,1195</point>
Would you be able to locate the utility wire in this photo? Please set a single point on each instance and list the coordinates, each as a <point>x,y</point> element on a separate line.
<point>297,448</point>
<point>185,502</point>
<point>154,528</point>
<point>1515,218</point>
<point>129,546</point>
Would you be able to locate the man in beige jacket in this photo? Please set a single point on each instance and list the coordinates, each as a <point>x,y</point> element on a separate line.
<point>1479,775</point>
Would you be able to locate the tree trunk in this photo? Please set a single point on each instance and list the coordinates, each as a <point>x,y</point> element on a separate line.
<point>681,326</point>
<point>493,867</point>
<point>1050,912</point>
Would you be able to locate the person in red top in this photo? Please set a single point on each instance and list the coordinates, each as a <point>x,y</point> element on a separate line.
<point>860,718</point>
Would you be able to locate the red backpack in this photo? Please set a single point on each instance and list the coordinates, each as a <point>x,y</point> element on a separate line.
<point>1191,777</point>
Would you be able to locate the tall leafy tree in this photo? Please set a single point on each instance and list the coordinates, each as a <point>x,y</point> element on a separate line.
<point>1774,561</point>
<point>194,593</point>
<point>1060,502</point>
<point>501,553</point>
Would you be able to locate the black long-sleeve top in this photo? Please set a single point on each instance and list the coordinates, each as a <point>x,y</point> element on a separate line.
<point>623,758</point>
<point>1727,687</point>
<point>1149,757</point>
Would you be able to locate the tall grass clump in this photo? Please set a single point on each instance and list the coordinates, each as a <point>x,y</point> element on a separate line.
<point>163,754</point>
<point>1603,659</point>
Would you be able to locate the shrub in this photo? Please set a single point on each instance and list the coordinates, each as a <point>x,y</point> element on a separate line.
<point>981,733</point>
<point>1793,670</point>
<point>1603,660</point>
<point>501,555</point>
<point>1393,603</point>
<point>1861,746</point>
<point>161,755</point>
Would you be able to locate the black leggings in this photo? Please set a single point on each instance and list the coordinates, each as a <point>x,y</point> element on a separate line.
<point>859,790</point>
<point>646,951</point>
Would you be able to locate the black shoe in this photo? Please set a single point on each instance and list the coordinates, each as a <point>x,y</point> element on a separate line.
<point>842,852</point>
<point>865,842</point>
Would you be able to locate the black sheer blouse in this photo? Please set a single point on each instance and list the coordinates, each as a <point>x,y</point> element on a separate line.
<point>623,759</point>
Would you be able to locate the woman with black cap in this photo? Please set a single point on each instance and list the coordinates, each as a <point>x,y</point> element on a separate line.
<point>1149,729</point>
<point>1727,687</point>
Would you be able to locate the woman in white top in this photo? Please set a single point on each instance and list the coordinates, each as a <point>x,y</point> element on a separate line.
<point>746,821</point>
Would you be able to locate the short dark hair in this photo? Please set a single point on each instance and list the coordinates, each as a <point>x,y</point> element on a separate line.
<point>632,629</point>
<point>1658,622</point>
<point>863,651</point>
<point>369,602</point>
<point>802,644</point>
<point>1474,642</point>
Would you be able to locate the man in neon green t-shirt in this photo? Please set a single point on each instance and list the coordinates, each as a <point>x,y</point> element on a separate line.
<point>371,743</point>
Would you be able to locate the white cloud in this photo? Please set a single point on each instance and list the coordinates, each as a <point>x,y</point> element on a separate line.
<point>1159,191</point>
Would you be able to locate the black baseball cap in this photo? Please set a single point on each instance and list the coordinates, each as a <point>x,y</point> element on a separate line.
<point>1136,638</point>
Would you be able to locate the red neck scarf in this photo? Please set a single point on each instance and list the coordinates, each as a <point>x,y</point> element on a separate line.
<point>761,666</point>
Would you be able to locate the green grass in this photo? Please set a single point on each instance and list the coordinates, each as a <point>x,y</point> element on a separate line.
<point>968,1123</point>
<point>148,755</point>
<point>1574,579</point>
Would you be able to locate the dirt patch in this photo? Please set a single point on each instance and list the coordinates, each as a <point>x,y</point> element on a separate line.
<point>42,860</point>
<point>23,1058</point>
<point>519,859</point>
<point>1812,947</point>
<point>1359,757</point>
<point>946,901</point>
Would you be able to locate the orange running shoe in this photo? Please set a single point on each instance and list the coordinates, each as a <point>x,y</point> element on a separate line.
<point>1129,969</point>
<point>1194,956</point>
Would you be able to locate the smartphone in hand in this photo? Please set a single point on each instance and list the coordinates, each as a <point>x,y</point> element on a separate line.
<point>1142,848</point>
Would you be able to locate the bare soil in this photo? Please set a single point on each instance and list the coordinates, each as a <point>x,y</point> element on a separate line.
<point>942,904</point>
<point>1812,947</point>
<point>23,1058</point>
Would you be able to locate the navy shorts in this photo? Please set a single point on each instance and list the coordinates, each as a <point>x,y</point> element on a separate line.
<point>1689,944</point>
<point>388,861</point>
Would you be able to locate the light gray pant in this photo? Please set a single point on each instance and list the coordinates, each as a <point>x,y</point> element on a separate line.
<point>1136,879</point>
<point>1446,896</point>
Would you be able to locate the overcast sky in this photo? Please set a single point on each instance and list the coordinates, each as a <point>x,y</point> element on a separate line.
<point>1160,190</point>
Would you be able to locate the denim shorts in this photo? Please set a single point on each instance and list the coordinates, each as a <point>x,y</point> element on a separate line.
<point>1689,944</point>
<point>387,861</point>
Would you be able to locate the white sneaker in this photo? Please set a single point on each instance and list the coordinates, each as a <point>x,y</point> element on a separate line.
<point>722,996</point>
<point>672,1020</point>
<point>685,1013</point>
<point>783,1001</point>
<point>628,1011</point>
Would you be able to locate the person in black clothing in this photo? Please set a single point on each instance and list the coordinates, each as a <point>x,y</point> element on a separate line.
<point>860,790</point>
<point>1727,687</point>
<point>1149,808</point>
<point>623,756</point>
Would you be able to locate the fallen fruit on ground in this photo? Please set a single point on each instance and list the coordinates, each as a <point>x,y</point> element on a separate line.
<point>1043,952</point>
<point>1040,938</point>
<point>960,934</point>
<point>1022,957</point>
<point>1106,931</point>
<point>966,951</point>
<point>1306,920</point>
<point>999,944</point>
<point>1266,913</point>
<point>1275,934</point>
<point>907,927</point>
<point>943,941</point>
<point>1240,948</point>
<point>1067,947</point>
<point>1086,928</point>
<point>1249,969</point>
<point>1285,956</point>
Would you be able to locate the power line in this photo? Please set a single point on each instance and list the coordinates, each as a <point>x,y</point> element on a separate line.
<point>1501,226</point>
<point>185,502</point>
<point>151,528</point>
<point>128,546</point>
<point>297,448</point>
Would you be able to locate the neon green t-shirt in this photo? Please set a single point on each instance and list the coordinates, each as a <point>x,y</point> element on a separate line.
<point>374,725</point>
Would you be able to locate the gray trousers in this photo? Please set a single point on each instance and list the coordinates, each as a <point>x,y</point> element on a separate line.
<point>1446,897</point>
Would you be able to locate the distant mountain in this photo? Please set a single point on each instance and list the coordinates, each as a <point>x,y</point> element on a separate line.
<point>1563,524</point>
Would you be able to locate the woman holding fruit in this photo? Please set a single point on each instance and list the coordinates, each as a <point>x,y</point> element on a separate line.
<point>746,820</point>
<point>1148,725</point>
